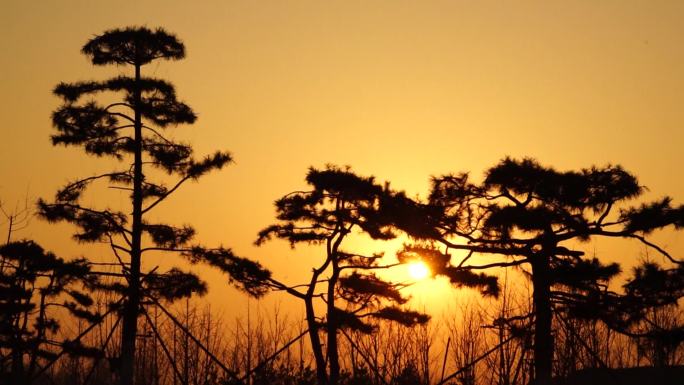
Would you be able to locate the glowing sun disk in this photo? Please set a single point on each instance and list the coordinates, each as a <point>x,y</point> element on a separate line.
<point>418,270</point>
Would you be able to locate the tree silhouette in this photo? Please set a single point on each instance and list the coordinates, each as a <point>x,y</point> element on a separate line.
<point>132,129</point>
<point>338,204</point>
<point>527,215</point>
<point>33,283</point>
<point>647,311</point>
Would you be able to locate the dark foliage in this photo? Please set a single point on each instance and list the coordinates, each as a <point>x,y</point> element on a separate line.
<point>34,284</point>
<point>133,45</point>
<point>246,274</point>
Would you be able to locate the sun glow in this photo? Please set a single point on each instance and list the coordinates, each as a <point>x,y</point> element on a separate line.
<point>418,270</point>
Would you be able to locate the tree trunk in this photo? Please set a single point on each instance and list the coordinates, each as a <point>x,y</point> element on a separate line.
<point>504,372</point>
<point>132,304</point>
<point>17,374</point>
<point>333,354</point>
<point>316,346</point>
<point>543,339</point>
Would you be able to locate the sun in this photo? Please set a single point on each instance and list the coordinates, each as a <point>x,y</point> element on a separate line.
<point>418,270</point>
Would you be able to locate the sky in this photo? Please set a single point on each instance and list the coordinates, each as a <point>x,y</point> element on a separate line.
<point>402,90</point>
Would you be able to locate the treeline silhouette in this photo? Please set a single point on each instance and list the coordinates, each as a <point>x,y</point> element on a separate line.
<point>88,321</point>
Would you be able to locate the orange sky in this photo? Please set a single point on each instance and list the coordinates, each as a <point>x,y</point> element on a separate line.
<point>398,89</point>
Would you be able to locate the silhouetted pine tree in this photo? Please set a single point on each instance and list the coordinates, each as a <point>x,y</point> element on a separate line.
<point>527,215</point>
<point>338,204</point>
<point>132,129</point>
<point>652,289</point>
<point>33,284</point>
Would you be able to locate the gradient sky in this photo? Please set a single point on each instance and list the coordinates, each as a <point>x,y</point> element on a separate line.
<point>398,89</point>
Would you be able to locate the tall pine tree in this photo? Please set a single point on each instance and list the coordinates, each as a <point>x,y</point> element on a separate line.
<point>132,128</point>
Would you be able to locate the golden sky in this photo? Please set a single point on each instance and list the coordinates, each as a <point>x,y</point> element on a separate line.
<point>398,89</point>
